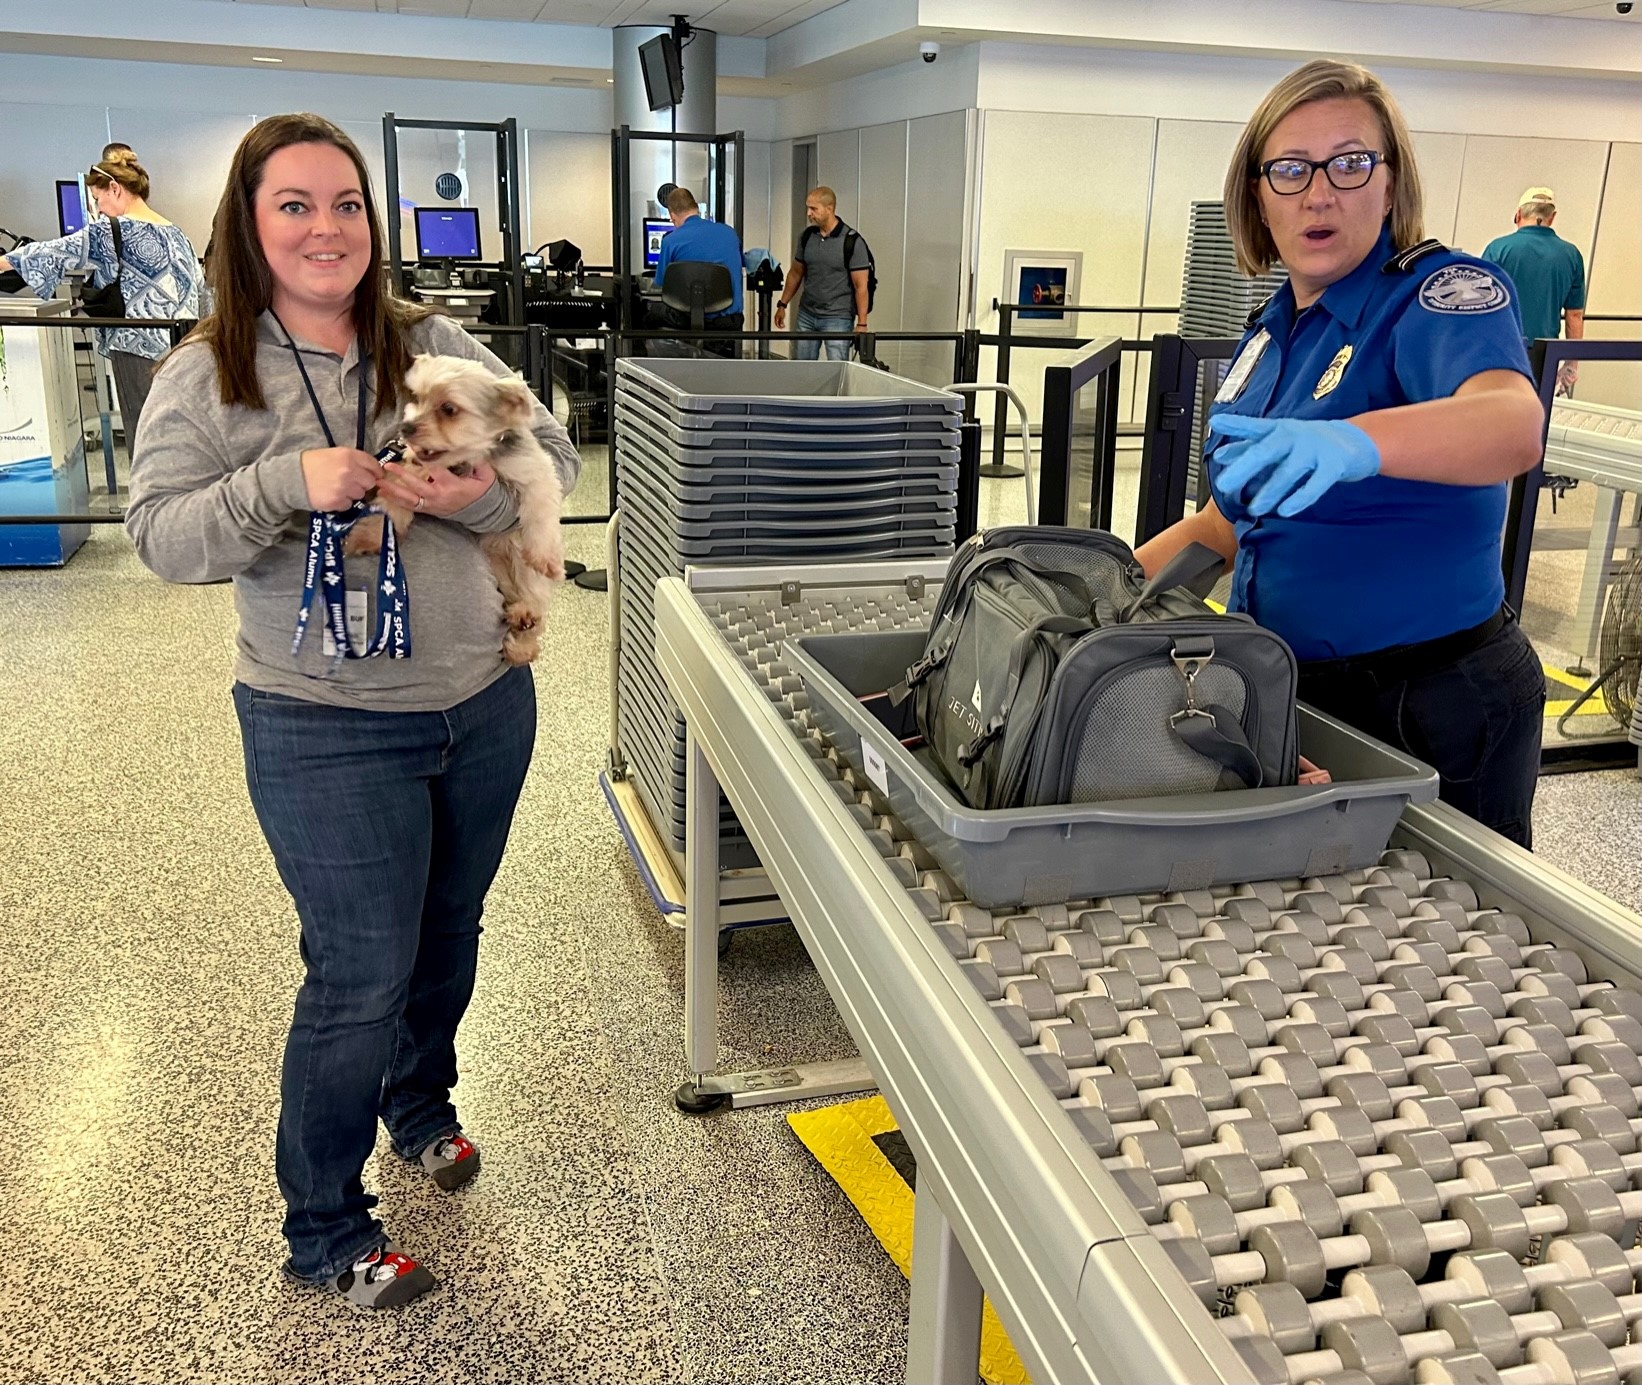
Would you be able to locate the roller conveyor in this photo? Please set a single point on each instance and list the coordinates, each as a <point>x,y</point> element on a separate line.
<point>1134,1115</point>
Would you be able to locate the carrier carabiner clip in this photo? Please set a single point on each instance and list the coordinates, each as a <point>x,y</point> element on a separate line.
<point>1188,666</point>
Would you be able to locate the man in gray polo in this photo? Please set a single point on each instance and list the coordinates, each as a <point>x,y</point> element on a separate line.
<point>832,264</point>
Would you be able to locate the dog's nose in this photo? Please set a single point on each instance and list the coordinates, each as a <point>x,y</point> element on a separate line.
<point>408,431</point>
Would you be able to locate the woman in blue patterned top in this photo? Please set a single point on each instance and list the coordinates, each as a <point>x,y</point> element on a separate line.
<point>158,271</point>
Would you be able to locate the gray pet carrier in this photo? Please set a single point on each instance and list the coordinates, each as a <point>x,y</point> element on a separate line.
<point>1055,673</point>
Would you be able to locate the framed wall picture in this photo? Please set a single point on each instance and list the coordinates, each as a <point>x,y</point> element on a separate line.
<point>1043,277</point>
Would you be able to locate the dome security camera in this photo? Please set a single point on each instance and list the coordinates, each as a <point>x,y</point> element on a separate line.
<point>929,51</point>
<point>1623,7</point>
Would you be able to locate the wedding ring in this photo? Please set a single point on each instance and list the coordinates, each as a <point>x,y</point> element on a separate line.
<point>419,500</point>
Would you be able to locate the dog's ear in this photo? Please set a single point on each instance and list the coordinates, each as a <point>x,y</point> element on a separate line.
<point>516,403</point>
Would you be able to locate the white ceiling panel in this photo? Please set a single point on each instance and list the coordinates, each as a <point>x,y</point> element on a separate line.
<point>753,18</point>
<point>1562,9</point>
<point>515,10</point>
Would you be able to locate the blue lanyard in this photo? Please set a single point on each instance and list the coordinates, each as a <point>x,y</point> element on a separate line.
<point>327,529</point>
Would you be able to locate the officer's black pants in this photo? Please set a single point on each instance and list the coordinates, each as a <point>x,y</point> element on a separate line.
<point>1477,721</point>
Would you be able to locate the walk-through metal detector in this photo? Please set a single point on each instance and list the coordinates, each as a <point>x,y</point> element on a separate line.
<point>724,199</point>
<point>509,280</point>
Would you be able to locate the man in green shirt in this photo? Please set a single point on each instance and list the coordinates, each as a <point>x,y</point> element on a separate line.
<point>1549,275</point>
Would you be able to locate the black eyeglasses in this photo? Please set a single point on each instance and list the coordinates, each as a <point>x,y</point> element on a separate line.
<point>1345,172</point>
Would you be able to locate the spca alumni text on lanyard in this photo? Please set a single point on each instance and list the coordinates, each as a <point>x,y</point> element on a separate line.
<point>326,531</point>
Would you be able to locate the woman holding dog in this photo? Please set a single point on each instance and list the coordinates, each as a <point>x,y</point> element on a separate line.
<point>385,786</point>
<point>1361,445</point>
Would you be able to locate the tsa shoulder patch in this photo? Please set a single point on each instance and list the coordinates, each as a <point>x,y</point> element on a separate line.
<point>1463,288</point>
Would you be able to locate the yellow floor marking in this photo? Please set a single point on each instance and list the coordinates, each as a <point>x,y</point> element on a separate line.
<point>840,1138</point>
<point>1596,707</point>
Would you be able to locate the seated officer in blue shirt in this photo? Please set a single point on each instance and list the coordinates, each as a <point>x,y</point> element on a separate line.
<point>693,237</point>
<point>1360,447</point>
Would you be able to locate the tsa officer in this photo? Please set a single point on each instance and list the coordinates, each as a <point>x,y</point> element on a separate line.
<point>1360,447</point>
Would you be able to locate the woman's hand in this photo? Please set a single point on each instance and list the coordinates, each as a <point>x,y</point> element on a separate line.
<point>433,491</point>
<point>338,476</point>
<point>1297,461</point>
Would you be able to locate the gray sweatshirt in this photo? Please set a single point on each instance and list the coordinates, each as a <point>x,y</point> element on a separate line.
<point>217,491</point>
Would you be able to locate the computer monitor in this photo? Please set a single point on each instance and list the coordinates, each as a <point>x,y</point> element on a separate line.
<point>447,233</point>
<point>663,71</point>
<point>71,206</point>
<point>654,230</point>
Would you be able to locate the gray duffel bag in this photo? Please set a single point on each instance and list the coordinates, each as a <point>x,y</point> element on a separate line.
<point>1056,673</point>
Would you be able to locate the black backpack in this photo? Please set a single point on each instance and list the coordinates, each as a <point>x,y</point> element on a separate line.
<point>852,238</point>
<point>1056,673</point>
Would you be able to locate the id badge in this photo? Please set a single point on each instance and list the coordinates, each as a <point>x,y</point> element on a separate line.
<point>1238,376</point>
<point>357,610</point>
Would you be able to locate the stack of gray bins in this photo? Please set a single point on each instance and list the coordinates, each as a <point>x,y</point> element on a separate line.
<point>738,463</point>
<point>1215,301</point>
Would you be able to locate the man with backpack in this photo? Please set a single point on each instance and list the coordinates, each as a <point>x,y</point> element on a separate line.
<point>835,268</point>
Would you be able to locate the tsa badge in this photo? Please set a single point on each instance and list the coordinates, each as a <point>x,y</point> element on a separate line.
<point>1331,377</point>
<point>1463,288</point>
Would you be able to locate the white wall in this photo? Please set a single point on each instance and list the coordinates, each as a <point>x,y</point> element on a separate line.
<point>1167,84</point>
<point>185,120</point>
<point>1080,145</point>
<point>905,91</point>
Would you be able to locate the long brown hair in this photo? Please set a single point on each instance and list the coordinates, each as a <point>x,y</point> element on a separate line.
<point>242,285</point>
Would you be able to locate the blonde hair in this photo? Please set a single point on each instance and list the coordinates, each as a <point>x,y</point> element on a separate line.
<point>119,166</point>
<point>1321,80</point>
<point>825,196</point>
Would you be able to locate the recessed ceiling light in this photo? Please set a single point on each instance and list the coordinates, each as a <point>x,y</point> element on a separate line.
<point>258,58</point>
<point>610,81</point>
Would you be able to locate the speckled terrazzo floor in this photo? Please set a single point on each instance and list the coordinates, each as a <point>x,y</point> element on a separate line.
<point>150,962</point>
<point>149,965</point>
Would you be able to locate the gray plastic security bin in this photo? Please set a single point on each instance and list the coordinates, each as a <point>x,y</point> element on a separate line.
<point>1023,856</point>
<point>770,462</point>
<point>818,390</point>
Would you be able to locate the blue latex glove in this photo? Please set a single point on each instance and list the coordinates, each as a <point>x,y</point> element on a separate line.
<point>1299,459</point>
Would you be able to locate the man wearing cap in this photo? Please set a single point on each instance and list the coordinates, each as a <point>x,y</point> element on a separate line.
<point>1549,275</point>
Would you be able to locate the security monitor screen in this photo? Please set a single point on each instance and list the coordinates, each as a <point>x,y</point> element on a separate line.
<point>654,230</point>
<point>447,233</point>
<point>71,209</point>
<point>663,70</point>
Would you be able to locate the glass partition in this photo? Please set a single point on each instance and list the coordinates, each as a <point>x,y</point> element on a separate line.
<point>1581,599</point>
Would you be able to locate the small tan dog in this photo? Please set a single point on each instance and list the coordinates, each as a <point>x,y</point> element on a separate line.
<point>457,415</point>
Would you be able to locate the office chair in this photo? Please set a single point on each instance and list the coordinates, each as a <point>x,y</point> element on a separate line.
<point>697,288</point>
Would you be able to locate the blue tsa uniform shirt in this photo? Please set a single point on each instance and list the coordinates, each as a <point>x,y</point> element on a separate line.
<point>1384,562</point>
<point>711,241</point>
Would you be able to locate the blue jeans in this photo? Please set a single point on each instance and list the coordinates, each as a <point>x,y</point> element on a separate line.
<point>813,322</point>
<point>387,828</point>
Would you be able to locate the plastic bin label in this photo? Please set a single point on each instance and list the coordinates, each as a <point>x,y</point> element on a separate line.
<point>877,770</point>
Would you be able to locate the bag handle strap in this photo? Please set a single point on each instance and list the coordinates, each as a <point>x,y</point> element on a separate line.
<point>119,246</point>
<point>1211,731</point>
<point>1196,567</point>
<point>1214,734</point>
<point>936,654</point>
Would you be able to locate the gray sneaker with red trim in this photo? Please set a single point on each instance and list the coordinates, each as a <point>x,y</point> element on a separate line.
<point>452,1159</point>
<point>383,1277</point>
